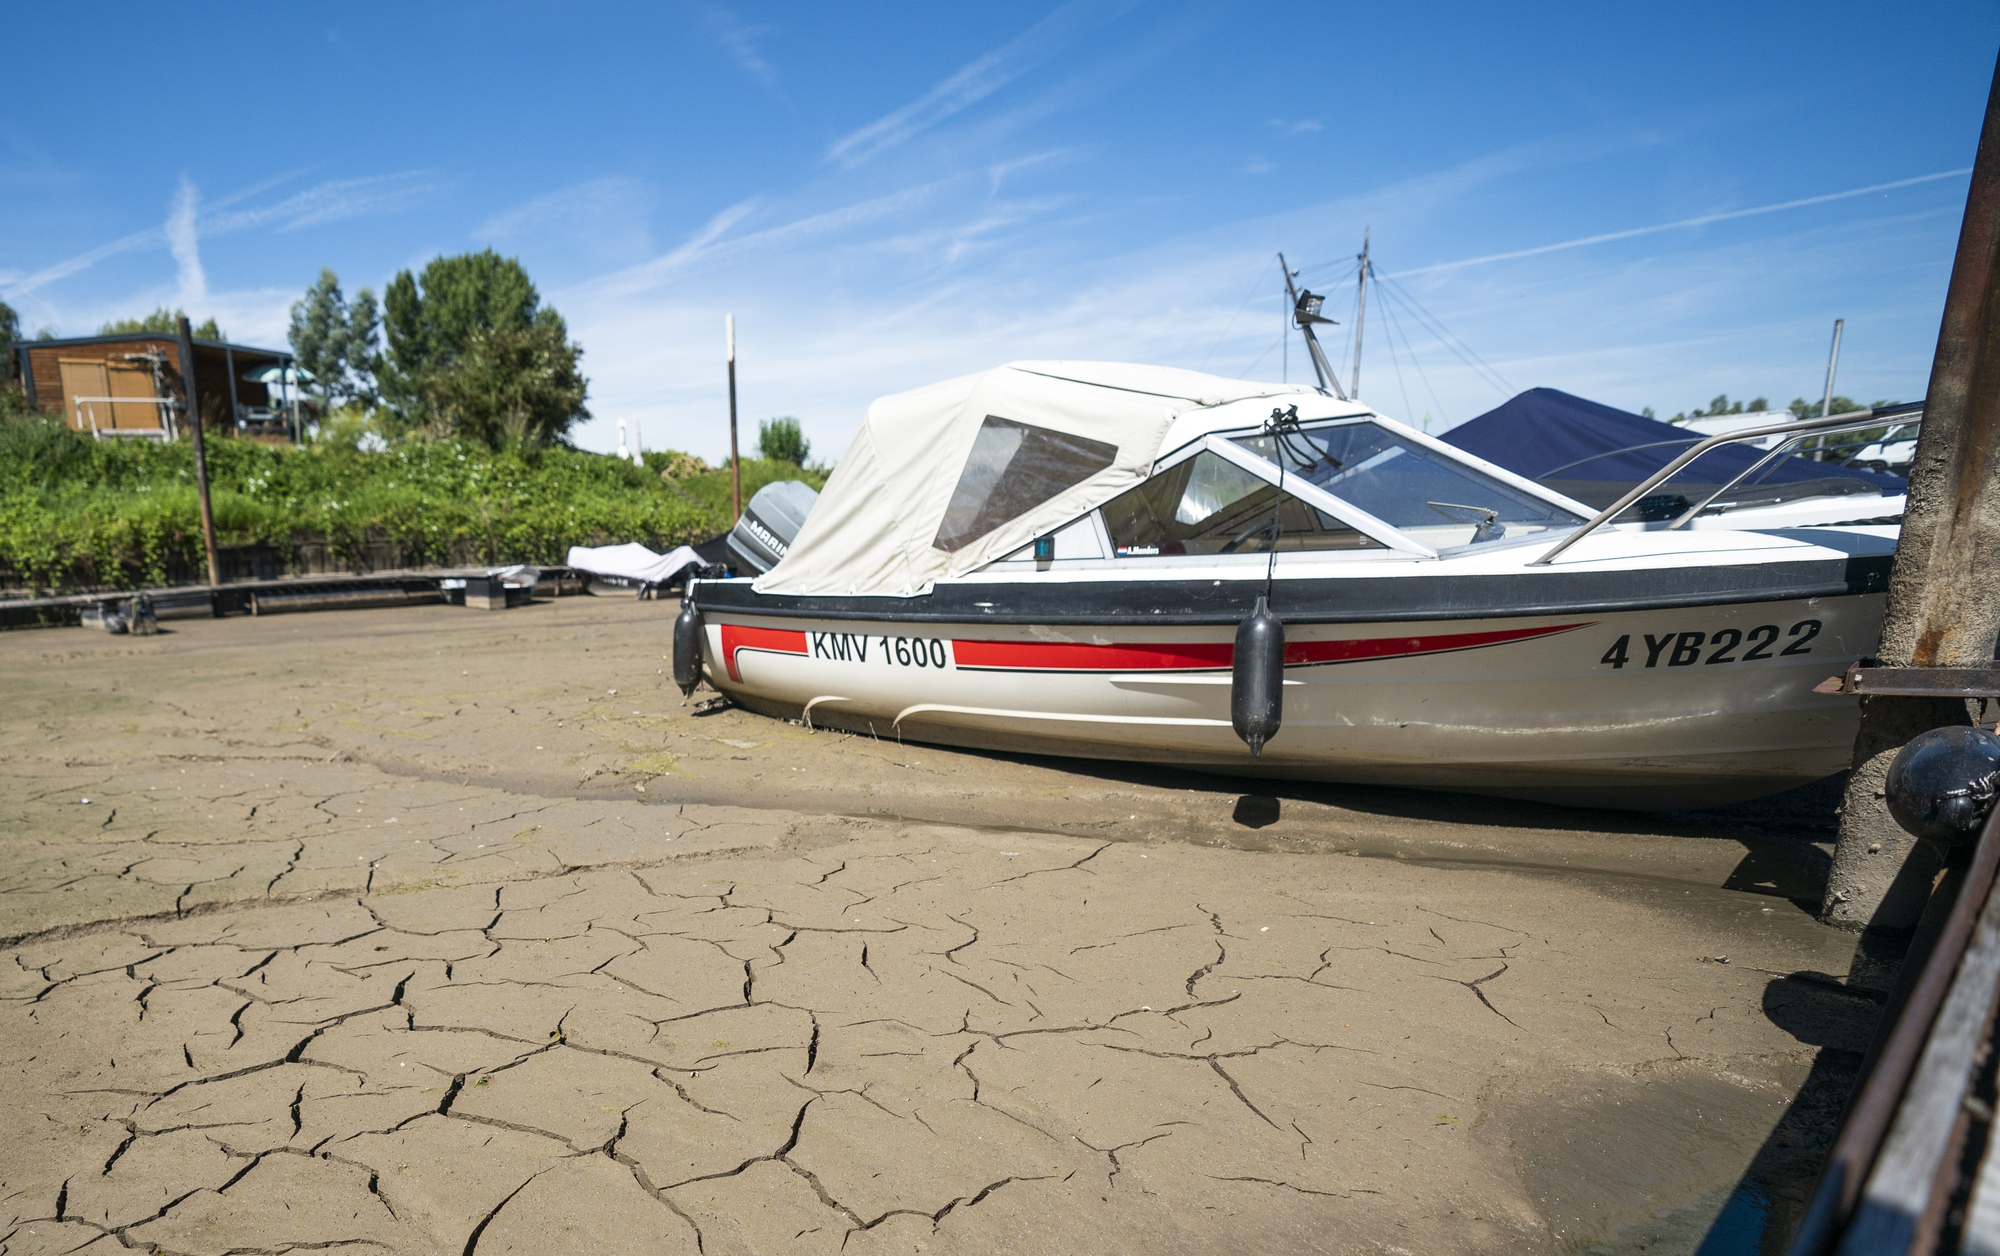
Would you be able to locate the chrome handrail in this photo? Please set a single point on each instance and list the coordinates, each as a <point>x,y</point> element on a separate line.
<point>1852,418</point>
<point>1780,450</point>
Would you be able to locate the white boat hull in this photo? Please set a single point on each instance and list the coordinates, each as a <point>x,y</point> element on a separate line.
<point>1701,705</point>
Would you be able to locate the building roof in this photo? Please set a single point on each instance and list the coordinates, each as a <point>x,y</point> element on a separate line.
<point>135,336</point>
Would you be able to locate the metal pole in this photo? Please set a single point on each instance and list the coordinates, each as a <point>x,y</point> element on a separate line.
<point>229,364</point>
<point>1360,312</point>
<point>735,463</point>
<point>1944,590</point>
<point>193,399</point>
<point>1832,364</point>
<point>1826,402</point>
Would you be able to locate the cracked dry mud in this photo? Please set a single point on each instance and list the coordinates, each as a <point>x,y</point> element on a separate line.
<point>402,931</point>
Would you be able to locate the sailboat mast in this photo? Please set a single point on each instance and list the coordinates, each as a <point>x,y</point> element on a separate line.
<point>1360,312</point>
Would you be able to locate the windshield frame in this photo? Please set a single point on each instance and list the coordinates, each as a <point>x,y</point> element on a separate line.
<point>1382,530</point>
<point>1305,490</point>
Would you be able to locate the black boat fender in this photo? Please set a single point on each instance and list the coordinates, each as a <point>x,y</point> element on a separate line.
<point>1257,683</point>
<point>1942,785</point>
<point>689,630</point>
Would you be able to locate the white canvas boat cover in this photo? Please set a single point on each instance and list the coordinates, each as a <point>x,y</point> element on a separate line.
<point>943,480</point>
<point>633,561</point>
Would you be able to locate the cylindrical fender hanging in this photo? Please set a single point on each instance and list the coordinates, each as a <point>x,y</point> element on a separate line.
<point>689,629</point>
<point>1257,689</point>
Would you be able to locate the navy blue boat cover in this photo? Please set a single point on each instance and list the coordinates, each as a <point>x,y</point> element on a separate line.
<point>1545,434</point>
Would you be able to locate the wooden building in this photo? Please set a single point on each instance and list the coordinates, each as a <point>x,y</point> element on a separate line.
<point>129,384</point>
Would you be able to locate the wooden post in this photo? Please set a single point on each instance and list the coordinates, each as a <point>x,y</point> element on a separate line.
<point>735,462</point>
<point>200,452</point>
<point>1944,590</point>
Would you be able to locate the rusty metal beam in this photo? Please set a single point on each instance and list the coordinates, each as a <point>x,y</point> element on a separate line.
<point>1944,590</point>
<point>1915,682</point>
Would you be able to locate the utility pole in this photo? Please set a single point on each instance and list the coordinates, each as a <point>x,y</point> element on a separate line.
<point>1826,401</point>
<point>1832,364</point>
<point>735,463</point>
<point>1360,311</point>
<point>200,452</point>
<point>1944,590</point>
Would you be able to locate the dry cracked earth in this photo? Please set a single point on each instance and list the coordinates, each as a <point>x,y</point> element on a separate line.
<point>430,930</point>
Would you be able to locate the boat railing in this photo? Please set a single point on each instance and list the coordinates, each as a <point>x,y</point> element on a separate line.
<point>1796,432</point>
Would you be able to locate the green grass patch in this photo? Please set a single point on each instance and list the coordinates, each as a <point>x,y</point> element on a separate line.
<point>75,512</point>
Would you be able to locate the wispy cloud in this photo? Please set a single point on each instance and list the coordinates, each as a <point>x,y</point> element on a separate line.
<point>148,238</point>
<point>740,41</point>
<point>970,85</point>
<point>322,203</point>
<point>714,239</point>
<point>1700,221</point>
<point>1303,126</point>
<point>184,241</point>
<point>334,200</point>
<point>604,218</point>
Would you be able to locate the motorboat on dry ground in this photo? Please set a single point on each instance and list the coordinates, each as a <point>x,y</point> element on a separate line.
<point>1058,557</point>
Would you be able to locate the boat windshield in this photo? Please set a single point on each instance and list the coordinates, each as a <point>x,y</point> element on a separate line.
<point>1430,497</point>
<point>1209,505</point>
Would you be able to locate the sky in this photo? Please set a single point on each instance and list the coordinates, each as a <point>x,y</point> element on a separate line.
<point>1644,205</point>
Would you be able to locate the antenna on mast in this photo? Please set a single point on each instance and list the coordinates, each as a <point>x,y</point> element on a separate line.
<point>1305,313</point>
<point>1360,310</point>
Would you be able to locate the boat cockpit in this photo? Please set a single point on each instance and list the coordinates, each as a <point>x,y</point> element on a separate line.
<point>1356,483</point>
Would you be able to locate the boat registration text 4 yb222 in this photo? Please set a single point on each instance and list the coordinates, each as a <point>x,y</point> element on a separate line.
<point>854,647</point>
<point>1724,645</point>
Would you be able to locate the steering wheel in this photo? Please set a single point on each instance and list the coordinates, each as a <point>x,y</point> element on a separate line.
<point>1261,526</point>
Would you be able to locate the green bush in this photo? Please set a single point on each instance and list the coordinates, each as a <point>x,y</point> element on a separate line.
<point>122,514</point>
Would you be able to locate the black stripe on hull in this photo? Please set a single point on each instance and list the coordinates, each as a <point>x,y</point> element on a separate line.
<point>1363,599</point>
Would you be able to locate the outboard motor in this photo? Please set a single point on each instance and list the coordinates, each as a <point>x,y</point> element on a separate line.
<point>769,524</point>
<point>1257,687</point>
<point>1942,784</point>
<point>689,630</point>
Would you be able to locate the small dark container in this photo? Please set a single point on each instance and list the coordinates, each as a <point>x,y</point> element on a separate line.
<point>1257,688</point>
<point>689,629</point>
<point>1941,785</point>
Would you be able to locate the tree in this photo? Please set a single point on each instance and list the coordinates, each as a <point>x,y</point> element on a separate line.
<point>162,320</point>
<point>780,440</point>
<point>1810,409</point>
<point>10,335</point>
<point>1722,405</point>
<point>337,343</point>
<point>508,386</point>
<point>476,322</point>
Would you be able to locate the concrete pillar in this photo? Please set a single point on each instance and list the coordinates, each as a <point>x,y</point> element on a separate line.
<point>1944,591</point>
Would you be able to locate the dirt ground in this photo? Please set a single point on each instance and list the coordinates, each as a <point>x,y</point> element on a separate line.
<point>436,930</point>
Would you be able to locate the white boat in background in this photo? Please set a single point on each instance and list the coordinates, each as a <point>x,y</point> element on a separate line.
<point>1071,558</point>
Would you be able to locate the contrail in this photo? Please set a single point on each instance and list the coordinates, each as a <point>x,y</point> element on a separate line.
<point>1685,222</point>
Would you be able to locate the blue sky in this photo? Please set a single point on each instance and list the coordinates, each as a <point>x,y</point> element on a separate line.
<point>891,195</point>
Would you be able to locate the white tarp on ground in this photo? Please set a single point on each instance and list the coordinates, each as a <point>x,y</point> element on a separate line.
<point>633,561</point>
<point>907,504</point>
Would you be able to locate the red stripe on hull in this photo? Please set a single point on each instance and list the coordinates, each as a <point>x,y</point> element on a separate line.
<point>740,637</point>
<point>1046,656</point>
<point>1050,656</point>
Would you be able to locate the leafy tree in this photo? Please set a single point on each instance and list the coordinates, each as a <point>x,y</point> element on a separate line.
<point>780,440</point>
<point>10,335</point>
<point>162,320</point>
<point>1810,409</point>
<point>337,342</point>
<point>1722,405</point>
<point>475,322</point>
<point>508,386</point>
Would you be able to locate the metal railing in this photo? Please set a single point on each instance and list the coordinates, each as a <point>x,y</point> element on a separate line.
<point>1852,420</point>
<point>87,406</point>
